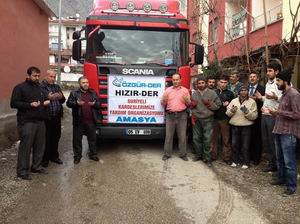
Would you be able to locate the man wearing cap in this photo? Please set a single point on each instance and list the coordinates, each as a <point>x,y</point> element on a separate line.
<point>286,130</point>
<point>242,112</point>
<point>176,100</point>
<point>205,101</point>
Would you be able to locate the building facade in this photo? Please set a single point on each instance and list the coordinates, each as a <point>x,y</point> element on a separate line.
<point>68,27</point>
<point>237,34</point>
<point>24,42</point>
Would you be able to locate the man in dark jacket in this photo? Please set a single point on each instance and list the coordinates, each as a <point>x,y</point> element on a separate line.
<point>85,109</point>
<point>53,125</point>
<point>31,102</point>
<point>222,122</point>
<point>256,89</point>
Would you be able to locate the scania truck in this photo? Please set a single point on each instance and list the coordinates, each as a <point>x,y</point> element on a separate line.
<point>133,47</point>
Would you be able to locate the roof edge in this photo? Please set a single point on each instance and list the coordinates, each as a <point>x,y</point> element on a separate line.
<point>45,7</point>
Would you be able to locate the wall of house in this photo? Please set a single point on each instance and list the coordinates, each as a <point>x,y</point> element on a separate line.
<point>236,47</point>
<point>24,42</point>
<point>287,18</point>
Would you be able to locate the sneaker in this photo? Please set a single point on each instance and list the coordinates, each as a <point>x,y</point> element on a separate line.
<point>288,192</point>
<point>24,177</point>
<point>57,161</point>
<point>269,169</point>
<point>233,164</point>
<point>95,158</point>
<point>184,158</point>
<point>76,161</point>
<point>245,167</point>
<point>277,183</point>
<point>40,171</point>
<point>197,158</point>
<point>209,163</point>
<point>228,162</point>
<point>165,157</point>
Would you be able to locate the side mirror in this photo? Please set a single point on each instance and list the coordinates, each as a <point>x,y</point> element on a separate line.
<point>76,50</point>
<point>199,54</point>
<point>76,35</point>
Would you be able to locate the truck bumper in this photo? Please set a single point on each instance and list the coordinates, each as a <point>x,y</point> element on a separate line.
<point>128,133</point>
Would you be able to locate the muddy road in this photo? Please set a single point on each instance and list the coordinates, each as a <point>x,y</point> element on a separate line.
<point>130,184</point>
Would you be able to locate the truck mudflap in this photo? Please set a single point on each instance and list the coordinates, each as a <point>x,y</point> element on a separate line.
<point>131,132</point>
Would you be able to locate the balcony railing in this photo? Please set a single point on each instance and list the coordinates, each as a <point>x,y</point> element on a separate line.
<point>273,15</point>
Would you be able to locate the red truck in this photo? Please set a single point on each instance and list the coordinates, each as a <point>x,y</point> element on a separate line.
<point>133,47</point>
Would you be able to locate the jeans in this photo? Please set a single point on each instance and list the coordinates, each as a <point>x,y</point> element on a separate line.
<point>202,133</point>
<point>285,145</point>
<point>240,144</point>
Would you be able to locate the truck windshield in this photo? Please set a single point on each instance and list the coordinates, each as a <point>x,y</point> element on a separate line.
<point>128,47</point>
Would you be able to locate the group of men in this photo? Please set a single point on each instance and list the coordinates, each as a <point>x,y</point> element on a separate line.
<point>248,117</point>
<point>39,112</point>
<point>244,118</point>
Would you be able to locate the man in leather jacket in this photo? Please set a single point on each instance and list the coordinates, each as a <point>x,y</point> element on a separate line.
<point>85,110</point>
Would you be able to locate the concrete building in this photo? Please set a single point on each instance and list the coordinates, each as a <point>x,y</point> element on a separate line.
<point>237,34</point>
<point>67,29</point>
<point>24,42</point>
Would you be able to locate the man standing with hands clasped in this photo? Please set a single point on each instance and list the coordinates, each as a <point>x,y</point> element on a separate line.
<point>31,102</point>
<point>85,109</point>
<point>176,99</point>
<point>242,112</point>
<point>53,125</point>
<point>205,101</point>
<point>286,130</point>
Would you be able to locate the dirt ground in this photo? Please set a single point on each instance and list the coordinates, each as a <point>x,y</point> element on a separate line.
<point>255,185</point>
<point>252,184</point>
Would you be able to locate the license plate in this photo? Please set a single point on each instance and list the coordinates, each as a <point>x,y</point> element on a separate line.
<point>138,132</point>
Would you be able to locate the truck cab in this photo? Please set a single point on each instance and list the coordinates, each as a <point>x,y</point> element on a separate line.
<point>133,49</point>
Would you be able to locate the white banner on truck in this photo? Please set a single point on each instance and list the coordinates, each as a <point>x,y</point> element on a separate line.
<point>135,99</point>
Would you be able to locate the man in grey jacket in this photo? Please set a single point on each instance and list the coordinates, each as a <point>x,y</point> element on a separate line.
<point>205,101</point>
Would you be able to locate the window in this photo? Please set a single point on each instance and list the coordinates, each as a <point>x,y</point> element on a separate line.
<point>213,31</point>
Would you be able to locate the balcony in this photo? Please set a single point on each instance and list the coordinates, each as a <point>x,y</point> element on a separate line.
<point>235,19</point>
<point>237,27</point>
<point>274,14</point>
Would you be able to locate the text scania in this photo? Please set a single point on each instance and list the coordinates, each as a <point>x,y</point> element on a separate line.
<point>134,71</point>
<point>136,120</point>
<point>141,84</point>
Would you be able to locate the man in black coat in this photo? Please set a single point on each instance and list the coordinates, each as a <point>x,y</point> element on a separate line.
<point>85,106</point>
<point>256,142</point>
<point>31,102</point>
<point>53,125</point>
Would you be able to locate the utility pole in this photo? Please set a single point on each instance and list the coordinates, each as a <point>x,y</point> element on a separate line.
<point>59,45</point>
<point>266,33</point>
